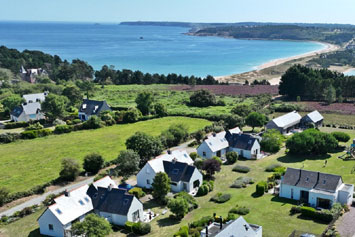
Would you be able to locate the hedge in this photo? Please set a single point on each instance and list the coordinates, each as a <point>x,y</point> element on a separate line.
<point>221,198</point>
<point>183,232</point>
<point>272,167</point>
<point>205,188</point>
<point>31,134</point>
<point>241,169</point>
<point>341,136</point>
<point>138,192</point>
<point>16,125</point>
<point>242,182</point>
<point>324,215</point>
<point>239,210</point>
<point>202,222</point>
<point>60,129</point>
<point>261,188</point>
<point>9,137</point>
<point>140,228</point>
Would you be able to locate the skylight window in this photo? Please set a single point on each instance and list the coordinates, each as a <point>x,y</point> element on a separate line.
<point>210,143</point>
<point>185,155</point>
<point>58,211</point>
<point>125,202</point>
<point>81,202</point>
<point>86,199</point>
<point>175,171</point>
<point>84,106</point>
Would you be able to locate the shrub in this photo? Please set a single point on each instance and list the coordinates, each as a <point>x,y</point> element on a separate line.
<point>198,163</point>
<point>341,136</point>
<point>183,232</point>
<point>202,98</point>
<point>202,222</point>
<point>242,182</point>
<point>16,125</point>
<point>261,188</point>
<point>132,115</point>
<point>280,170</point>
<point>272,167</point>
<point>49,200</point>
<point>35,126</point>
<point>193,155</point>
<point>140,228</point>
<point>231,217</point>
<point>232,157</point>
<point>63,129</point>
<point>4,193</point>
<point>138,192</point>
<point>9,137</point>
<point>241,169</point>
<point>221,198</point>
<point>70,169</point>
<point>179,206</point>
<point>93,163</point>
<point>93,122</point>
<point>272,141</point>
<point>218,159</point>
<point>76,121</point>
<point>202,190</point>
<point>59,122</point>
<point>240,210</point>
<point>31,134</point>
<point>295,210</point>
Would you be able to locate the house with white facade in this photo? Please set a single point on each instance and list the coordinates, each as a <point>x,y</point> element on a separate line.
<point>30,109</point>
<point>74,205</point>
<point>92,107</point>
<point>238,227</point>
<point>246,145</point>
<point>215,144</point>
<point>315,188</point>
<point>285,123</point>
<point>178,165</point>
<point>314,118</point>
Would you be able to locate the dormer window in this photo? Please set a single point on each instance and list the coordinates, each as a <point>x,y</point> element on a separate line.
<point>84,106</point>
<point>95,195</point>
<point>185,155</point>
<point>38,100</point>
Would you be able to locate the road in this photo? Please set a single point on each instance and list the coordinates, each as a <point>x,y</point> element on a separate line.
<point>40,199</point>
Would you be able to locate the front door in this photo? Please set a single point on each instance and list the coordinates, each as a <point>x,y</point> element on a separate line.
<point>304,196</point>
<point>219,153</point>
<point>323,203</point>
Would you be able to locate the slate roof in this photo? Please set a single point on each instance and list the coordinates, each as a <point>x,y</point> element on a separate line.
<point>93,107</point>
<point>315,116</point>
<point>178,171</point>
<point>110,200</point>
<point>287,120</point>
<point>17,111</point>
<point>30,108</point>
<point>311,180</point>
<point>240,141</point>
<point>181,156</point>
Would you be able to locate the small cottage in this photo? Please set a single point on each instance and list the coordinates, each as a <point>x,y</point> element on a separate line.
<point>314,118</point>
<point>285,123</point>
<point>92,107</point>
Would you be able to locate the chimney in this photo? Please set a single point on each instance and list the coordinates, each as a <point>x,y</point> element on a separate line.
<point>169,152</point>
<point>246,227</point>
<point>66,193</point>
<point>214,134</point>
<point>206,230</point>
<point>109,188</point>
<point>174,160</point>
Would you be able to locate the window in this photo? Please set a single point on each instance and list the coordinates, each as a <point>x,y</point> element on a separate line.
<point>148,181</point>
<point>81,202</point>
<point>203,153</point>
<point>324,181</point>
<point>307,179</point>
<point>175,171</point>
<point>125,202</point>
<point>50,227</point>
<point>95,195</point>
<point>135,216</point>
<point>86,199</point>
<point>173,183</point>
<point>58,211</point>
<point>185,155</point>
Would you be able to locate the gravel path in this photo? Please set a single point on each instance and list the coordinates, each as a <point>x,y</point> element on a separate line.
<point>346,224</point>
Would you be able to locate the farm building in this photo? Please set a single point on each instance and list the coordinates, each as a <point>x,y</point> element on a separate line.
<point>178,166</point>
<point>315,188</point>
<point>285,123</point>
<point>92,107</point>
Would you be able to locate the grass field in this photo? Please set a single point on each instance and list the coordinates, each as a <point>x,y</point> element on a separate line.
<point>27,163</point>
<point>270,212</point>
<point>124,96</point>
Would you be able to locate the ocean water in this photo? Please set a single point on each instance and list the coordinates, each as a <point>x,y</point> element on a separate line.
<point>151,49</point>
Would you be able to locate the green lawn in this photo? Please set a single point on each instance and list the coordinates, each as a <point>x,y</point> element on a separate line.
<point>124,96</point>
<point>27,163</point>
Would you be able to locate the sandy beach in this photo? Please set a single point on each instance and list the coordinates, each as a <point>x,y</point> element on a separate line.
<point>327,49</point>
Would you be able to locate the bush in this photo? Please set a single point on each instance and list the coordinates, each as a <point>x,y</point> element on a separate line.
<point>140,228</point>
<point>193,155</point>
<point>202,190</point>
<point>175,135</point>
<point>16,125</point>
<point>179,206</point>
<point>272,141</point>
<point>221,198</point>
<point>202,98</point>
<point>218,159</point>
<point>272,167</point>
<point>70,169</point>
<point>241,169</point>
<point>63,129</point>
<point>183,232</point>
<point>341,136</point>
<point>132,115</point>
<point>4,193</point>
<point>232,157</point>
<point>9,137</point>
<point>49,200</point>
<point>93,163</point>
<point>295,210</point>
<point>202,222</point>
<point>198,163</point>
<point>261,188</point>
<point>240,210</point>
<point>138,192</point>
<point>242,182</point>
<point>35,126</point>
<point>31,134</point>
<point>93,122</point>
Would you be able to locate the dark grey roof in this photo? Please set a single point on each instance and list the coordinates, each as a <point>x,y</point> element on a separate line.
<point>178,171</point>
<point>240,141</point>
<point>116,201</point>
<point>311,179</point>
<point>17,111</point>
<point>93,107</point>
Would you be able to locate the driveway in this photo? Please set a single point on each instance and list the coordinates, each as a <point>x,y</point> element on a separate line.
<point>346,224</point>
<point>40,199</point>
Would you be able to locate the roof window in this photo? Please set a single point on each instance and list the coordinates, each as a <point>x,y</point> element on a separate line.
<point>185,155</point>
<point>58,211</point>
<point>86,199</point>
<point>125,202</point>
<point>81,202</point>
<point>175,171</point>
<point>84,106</point>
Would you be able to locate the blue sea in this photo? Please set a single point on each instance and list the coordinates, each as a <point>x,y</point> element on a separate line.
<point>154,49</point>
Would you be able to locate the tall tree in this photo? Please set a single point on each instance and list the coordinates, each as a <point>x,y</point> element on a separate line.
<point>127,163</point>
<point>11,102</point>
<point>330,94</point>
<point>161,186</point>
<point>54,106</point>
<point>93,225</point>
<point>73,94</point>
<point>255,119</point>
<point>144,102</point>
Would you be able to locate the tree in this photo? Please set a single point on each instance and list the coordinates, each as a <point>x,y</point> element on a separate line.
<point>176,134</point>
<point>4,193</point>
<point>242,110</point>
<point>179,206</point>
<point>127,163</point>
<point>211,166</point>
<point>93,225</point>
<point>70,169</point>
<point>232,121</point>
<point>88,87</point>
<point>73,94</point>
<point>54,106</point>
<point>199,135</point>
<point>144,102</point>
<point>93,163</point>
<point>341,136</point>
<point>160,109</point>
<point>255,119</point>
<point>330,94</point>
<point>10,102</point>
<point>145,145</point>
<point>231,157</point>
<point>161,186</point>
<point>131,115</point>
<point>272,141</point>
<point>202,98</point>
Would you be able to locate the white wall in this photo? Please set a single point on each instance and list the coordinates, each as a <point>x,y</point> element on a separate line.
<point>285,191</point>
<point>195,176</point>
<point>82,114</point>
<point>314,195</point>
<point>205,148</point>
<point>145,173</point>
<point>49,218</point>
<point>135,205</point>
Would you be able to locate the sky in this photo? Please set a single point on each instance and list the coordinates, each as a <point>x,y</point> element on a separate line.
<point>302,11</point>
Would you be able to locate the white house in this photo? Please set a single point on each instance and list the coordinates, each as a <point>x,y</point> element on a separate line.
<point>285,123</point>
<point>315,188</point>
<point>245,145</point>
<point>314,118</point>
<point>179,167</point>
<point>30,110</point>
<point>92,107</point>
<point>76,204</point>
<point>215,144</point>
<point>238,227</point>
